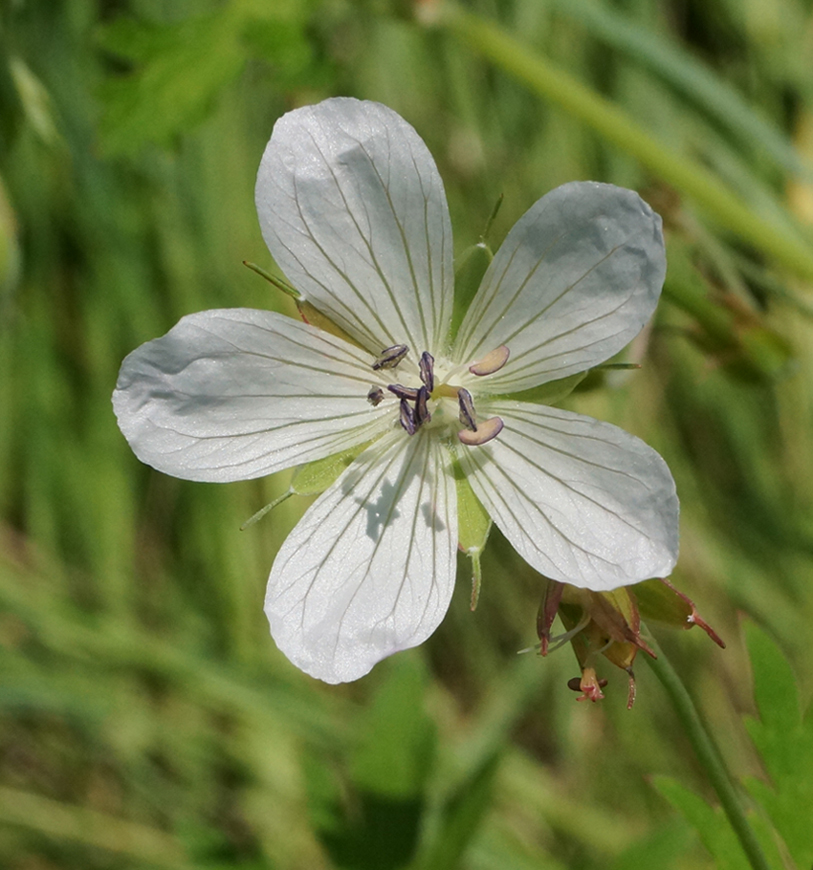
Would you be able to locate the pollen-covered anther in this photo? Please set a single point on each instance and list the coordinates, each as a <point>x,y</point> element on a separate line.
<point>390,357</point>
<point>491,362</point>
<point>484,433</point>
<point>467,415</point>
<point>375,396</point>
<point>402,392</point>
<point>422,414</point>
<point>427,369</point>
<point>407,418</point>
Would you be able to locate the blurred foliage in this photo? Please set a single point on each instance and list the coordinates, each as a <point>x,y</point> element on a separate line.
<point>146,719</point>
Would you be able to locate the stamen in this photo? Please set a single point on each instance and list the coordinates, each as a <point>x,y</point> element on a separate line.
<point>375,396</point>
<point>390,357</point>
<point>485,432</point>
<point>407,417</point>
<point>422,414</point>
<point>491,362</point>
<point>467,415</point>
<point>427,367</point>
<point>403,392</point>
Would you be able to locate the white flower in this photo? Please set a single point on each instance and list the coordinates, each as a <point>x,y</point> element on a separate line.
<point>353,210</point>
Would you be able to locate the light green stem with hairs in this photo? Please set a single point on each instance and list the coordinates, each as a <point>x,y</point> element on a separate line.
<point>713,197</point>
<point>708,755</point>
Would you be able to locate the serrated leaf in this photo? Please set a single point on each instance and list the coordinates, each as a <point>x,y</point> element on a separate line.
<point>183,67</point>
<point>784,740</point>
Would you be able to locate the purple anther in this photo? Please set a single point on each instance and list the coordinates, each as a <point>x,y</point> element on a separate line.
<point>467,416</point>
<point>427,367</point>
<point>422,414</point>
<point>491,428</point>
<point>409,393</point>
<point>375,396</point>
<point>407,417</point>
<point>390,357</point>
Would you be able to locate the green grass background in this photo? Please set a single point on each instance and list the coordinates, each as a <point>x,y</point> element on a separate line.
<point>146,718</point>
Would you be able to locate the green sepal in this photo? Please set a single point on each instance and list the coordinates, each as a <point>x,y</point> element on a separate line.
<point>307,312</point>
<point>278,282</point>
<point>473,523</point>
<point>622,366</point>
<point>255,518</point>
<point>658,603</point>
<point>549,393</point>
<point>314,317</point>
<point>315,477</point>
<point>473,527</point>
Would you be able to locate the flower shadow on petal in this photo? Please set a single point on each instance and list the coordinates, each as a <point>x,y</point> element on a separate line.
<point>382,510</point>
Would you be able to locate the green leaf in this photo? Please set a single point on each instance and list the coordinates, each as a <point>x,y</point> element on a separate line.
<point>784,740</point>
<point>183,67</point>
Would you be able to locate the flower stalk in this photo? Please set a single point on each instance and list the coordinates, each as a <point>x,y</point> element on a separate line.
<point>708,755</point>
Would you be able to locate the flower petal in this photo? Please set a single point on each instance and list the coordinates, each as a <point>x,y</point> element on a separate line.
<point>236,393</point>
<point>353,210</point>
<point>573,282</point>
<point>369,570</point>
<point>583,502</point>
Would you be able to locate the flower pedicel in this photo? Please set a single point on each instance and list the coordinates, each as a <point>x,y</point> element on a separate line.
<point>353,210</point>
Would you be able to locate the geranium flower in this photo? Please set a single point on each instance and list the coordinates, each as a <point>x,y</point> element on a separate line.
<point>353,210</point>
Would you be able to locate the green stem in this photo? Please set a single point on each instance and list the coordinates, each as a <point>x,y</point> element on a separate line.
<point>614,124</point>
<point>708,755</point>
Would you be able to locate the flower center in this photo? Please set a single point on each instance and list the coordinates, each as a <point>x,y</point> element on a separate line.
<point>414,409</point>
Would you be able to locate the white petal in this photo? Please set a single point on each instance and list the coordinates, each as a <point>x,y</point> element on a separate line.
<point>369,570</point>
<point>583,502</point>
<point>573,282</point>
<point>352,207</point>
<point>236,393</point>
